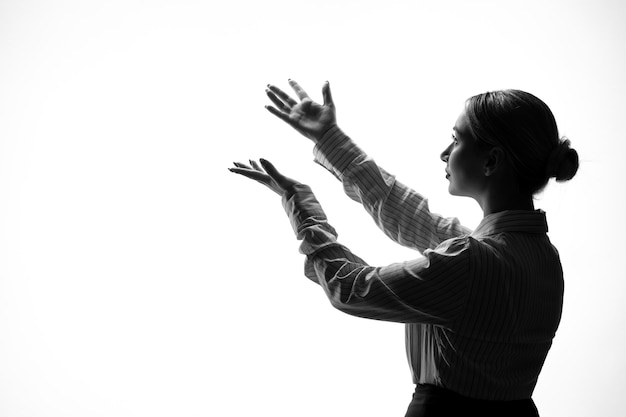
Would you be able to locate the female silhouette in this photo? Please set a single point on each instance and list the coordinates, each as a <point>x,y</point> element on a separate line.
<point>480,307</point>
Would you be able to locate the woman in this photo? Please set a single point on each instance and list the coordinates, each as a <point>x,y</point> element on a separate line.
<point>481,307</point>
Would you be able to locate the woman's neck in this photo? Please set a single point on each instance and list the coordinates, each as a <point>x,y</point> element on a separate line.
<point>503,198</point>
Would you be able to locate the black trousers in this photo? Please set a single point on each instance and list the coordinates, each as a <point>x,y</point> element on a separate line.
<point>433,401</point>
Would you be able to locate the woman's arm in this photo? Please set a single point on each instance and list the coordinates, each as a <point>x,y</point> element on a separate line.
<point>400,212</point>
<point>431,289</point>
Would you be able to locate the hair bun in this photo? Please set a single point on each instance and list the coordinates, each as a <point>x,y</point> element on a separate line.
<point>563,161</point>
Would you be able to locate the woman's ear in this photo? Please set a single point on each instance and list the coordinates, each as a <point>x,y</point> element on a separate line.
<point>494,161</point>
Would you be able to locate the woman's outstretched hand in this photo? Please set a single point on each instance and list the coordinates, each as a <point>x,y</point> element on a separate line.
<point>308,117</point>
<point>266,174</point>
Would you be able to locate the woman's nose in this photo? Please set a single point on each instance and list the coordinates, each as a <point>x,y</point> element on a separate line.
<point>445,154</point>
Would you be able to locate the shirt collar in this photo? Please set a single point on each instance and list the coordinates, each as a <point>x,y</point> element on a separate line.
<point>524,221</point>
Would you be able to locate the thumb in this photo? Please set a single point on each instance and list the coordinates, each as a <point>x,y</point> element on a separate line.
<point>279,178</point>
<point>328,98</point>
<point>271,170</point>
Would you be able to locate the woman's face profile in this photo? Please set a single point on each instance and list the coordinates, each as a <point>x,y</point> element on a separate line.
<point>465,161</point>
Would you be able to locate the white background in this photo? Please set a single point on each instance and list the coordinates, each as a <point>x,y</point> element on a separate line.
<point>139,277</point>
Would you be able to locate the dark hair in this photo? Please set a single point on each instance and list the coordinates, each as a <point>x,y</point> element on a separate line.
<point>524,127</point>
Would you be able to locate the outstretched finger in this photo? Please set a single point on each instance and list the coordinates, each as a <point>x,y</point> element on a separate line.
<point>240,165</point>
<point>281,115</point>
<point>282,95</point>
<point>252,174</point>
<point>299,90</point>
<point>328,97</point>
<point>277,101</point>
<point>256,166</point>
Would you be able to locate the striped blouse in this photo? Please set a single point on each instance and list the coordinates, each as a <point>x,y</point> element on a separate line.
<point>481,307</point>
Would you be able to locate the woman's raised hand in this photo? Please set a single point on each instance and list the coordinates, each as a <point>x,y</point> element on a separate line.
<point>306,116</point>
<point>266,174</point>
